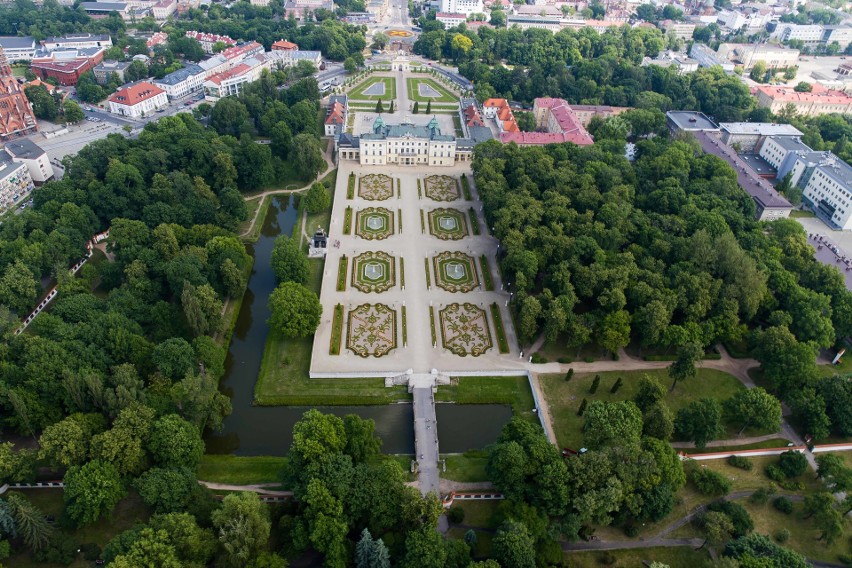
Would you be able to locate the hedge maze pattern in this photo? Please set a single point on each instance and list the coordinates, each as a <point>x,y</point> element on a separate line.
<point>375,187</point>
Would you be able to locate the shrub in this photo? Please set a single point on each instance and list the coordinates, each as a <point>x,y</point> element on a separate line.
<point>793,463</point>
<point>606,558</point>
<point>566,360</point>
<point>783,504</point>
<point>582,407</point>
<point>709,482</point>
<point>737,513</point>
<point>740,462</point>
<point>631,530</point>
<point>91,551</point>
<point>782,536</point>
<point>538,358</point>
<point>791,485</point>
<point>456,515</point>
<point>760,497</point>
<point>775,473</point>
<point>616,386</point>
<point>569,374</point>
<point>594,388</point>
<point>845,559</point>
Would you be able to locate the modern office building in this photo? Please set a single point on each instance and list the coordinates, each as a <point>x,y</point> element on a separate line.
<point>30,154</point>
<point>748,135</point>
<point>18,48</point>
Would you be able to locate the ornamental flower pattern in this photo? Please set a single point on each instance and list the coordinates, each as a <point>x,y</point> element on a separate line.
<point>441,188</point>
<point>372,330</point>
<point>374,223</point>
<point>375,187</point>
<point>447,224</point>
<point>464,330</point>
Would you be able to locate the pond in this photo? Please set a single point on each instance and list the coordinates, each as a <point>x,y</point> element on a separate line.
<point>267,430</point>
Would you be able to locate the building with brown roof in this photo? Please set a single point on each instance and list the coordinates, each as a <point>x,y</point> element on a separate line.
<point>558,123</point>
<point>66,65</point>
<point>16,112</point>
<point>138,100</point>
<point>284,45</point>
<point>335,118</point>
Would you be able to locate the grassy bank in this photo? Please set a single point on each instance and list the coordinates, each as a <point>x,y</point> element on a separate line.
<point>564,398</point>
<point>514,391</point>
<point>237,470</point>
<point>263,207</point>
<point>467,467</point>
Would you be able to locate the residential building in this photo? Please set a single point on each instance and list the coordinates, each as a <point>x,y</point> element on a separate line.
<point>99,10</point>
<point>690,121</point>
<point>260,3</point>
<point>104,70</point>
<point>16,112</point>
<point>810,34</point>
<point>749,135</point>
<point>290,57</point>
<point>706,57</point>
<point>826,184</point>
<point>500,111</point>
<point>66,64</point>
<point>15,182</point>
<point>556,123</point>
<point>450,20</point>
<point>529,22</point>
<point>157,38</point>
<point>747,55</point>
<point>284,45</point>
<point>182,82</point>
<point>18,48</point>
<point>138,100</point>
<point>769,204</point>
<point>819,101</point>
<point>336,114</point>
<point>466,7</point>
<point>683,64</point>
<point>377,8</point>
<point>163,9</point>
<point>585,113</point>
<point>469,115</point>
<point>33,157</point>
<point>751,20</point>
<point>207,41</point>
<point>300,8</point>
<point>404,144</point>
<point>77,41</point>
<point>231,81</point>
<point>680,30</point>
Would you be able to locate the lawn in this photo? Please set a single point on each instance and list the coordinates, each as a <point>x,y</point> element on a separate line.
<point>414,91</point>
<point>283,377</point>
<point>564,398</point>
<point>466,467</point>
<point>323,218</point>
<point>556,350</point>
<point>357,93</point>
<point>237,470</point>
<point>263,204</point>
<point>127,513</point>
<point>679,556</point>
<point>491,390</point>
<point>801,213</point>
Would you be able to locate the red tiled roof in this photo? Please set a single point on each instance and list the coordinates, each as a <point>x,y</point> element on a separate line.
<point>283,44</point>
<point>818,94</point>
<point>540,138</point>
<point>135,94</point>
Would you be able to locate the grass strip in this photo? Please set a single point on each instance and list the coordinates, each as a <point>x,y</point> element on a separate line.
<point>502,342</point>
<point>402,272</point>
<point>422,223</point>
<point>350,189</point>
<point>341,273</point>
<point>486,273</point>
<point>239,470</point>
<point>432,325</point>
<point>398,190</point>
<point>428,276</point>
<point>419,191</point>
<point>399,216</point>
<point>404,328</point>
<point>336,330</point>
<point>347,221</point>
<point>466,188</point>
<point>474,223</point>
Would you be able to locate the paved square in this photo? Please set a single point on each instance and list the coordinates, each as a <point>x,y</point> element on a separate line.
<point>428,263</point>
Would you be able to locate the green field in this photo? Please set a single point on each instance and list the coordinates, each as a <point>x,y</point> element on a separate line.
<point>237,470</point>
<point>414,92</point>
<point>564,398</point>
<point>357,93</point>
<point>466,467</point>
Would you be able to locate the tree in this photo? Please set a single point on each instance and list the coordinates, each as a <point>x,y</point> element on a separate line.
<point>136,71</point>
<point>166,490</point>
<point>709,482</point>
<point>611,423</point>
<point>416,108</point>
<point>67,442</point>
<point>513,546</point>
<point>793,463</point>
<point>229,116</point>
<point>29,522</point>
<point>72,112</point>
<point>803,87</point>
<point>362,444</point>
<point>371,553</point>
<point>295,310</point>
<point>202,308</point>
<point>44,105</point>
<point>379,107</point>
<point>650,392</point>
<point>758,72</point>
<point>757,547</point>
<point>754,407</point>
<point>317,199</point>
<point>306,156</point>
<point>18,286</point>
<point>424,548</point>
<point>243,527</point>
<point>717,527</point>
<point>380,40</point>
<point>683,366</point>
<point>699,422</point>
<point>174,442</point>
<point>92,491</point>
<point>173,358</point>
<point>429,106</point>
<point>658,421</point>
<point>390,110</point>
<point>88,89</point>
<point>150,548</point>
<point>289,263</point>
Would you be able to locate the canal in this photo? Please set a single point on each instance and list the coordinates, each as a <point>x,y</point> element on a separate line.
<point>267,430</point>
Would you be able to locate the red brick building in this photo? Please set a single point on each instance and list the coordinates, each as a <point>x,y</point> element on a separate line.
<point>16,112</point>
<point>66,66</point>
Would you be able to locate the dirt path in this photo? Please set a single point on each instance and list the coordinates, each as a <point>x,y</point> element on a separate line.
<point>256,488</point>
<point>732,442</point>
<point>544,409</point>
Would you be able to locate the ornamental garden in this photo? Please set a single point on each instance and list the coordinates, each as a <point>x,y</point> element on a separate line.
<point>374,223</point>
<point>447,224</point>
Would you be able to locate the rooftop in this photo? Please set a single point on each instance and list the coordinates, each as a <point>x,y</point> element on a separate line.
<point>791,143</point>
<point>104,6</point>
<point>760,128</point>
<point>818,94</point>
<point>136,93</point>
<point>180,75</point>
<point>690,120</point>
<point>71,38</point>
<point>15,42</point>
<point>24,148</point>
<point>830,165</point>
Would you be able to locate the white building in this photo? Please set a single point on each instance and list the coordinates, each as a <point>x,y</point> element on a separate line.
<point>335,118</point>
<point>15,181</point>
<point>681,30</point>
<point>450,20</point>
<point>750,20</point>
<point>182,82</point>
<point>675,59</point>
<point>260,3</point>
<point>780,151</point>
<point>466,7</point>
<point>810,34</point>
<point>163,9</point>
<point>138,100</point>
<point>826,184</point>
<point>749,135</point>
<point>18,48</point>
<point>207,41</point>
<point>77,41</point>
<point>25,151</point>
<point>230,82</point>
<point>403,144</point>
